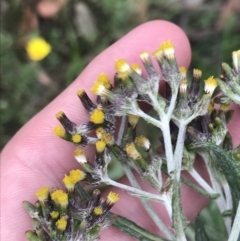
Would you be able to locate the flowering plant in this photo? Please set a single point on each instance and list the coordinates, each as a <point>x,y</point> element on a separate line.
<point>187,125</point>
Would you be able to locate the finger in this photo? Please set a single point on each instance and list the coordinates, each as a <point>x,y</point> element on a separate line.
<point>35,157</point>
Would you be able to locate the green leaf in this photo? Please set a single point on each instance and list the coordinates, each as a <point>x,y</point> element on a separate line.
<point>200,233</point>
<point>134,230</point>
<point>228,167</point>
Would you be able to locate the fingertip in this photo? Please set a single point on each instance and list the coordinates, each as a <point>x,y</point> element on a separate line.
<point>146,37</point>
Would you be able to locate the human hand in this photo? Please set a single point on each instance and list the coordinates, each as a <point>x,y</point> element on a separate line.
<point>35,157</point>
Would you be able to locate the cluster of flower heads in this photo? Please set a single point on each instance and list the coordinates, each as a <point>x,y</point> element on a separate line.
<point>122,97</point>
<point>70,215</point>
<point>59,214</point>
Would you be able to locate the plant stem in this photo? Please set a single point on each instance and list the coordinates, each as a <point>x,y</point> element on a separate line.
<point>147,205</point>
<point>234,235</point>
<point>134,190</point>
<point>168,144</point>
<point>178,153</point>
<point>135,184</point>
<point>121,130</point>
<point>201,181</point>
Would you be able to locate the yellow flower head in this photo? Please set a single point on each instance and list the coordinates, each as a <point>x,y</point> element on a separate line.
<point>210,85</point>
<point>100,146</point>
<point>143,141</point>
<point>42,194</point>
<point>54,214</point>
<point>132,151</point>
<point>76,138</point>
<point>37,48</point>
<point>61,224</point>
<point>133,120</point>
<point>112,198</point>
<point>77,175</point>
<point>103,78</point>
<point>105,137</point>
<point>80,156</point>
<point>158,54</point>
<point>144,56</point>
<point>97,116</point>
<point>168,49</point>
<point>74,177</point>
<point>59,131</point>
<point>122,66</point>
<point>197,73</point>
<point>236,60</point>
<point>68,183</point>
<point>60,197</point>
<point>183,86</point>
<point>183,71</point>
<point>99,88</point>
<point>98,211</point>
<point>136,68</point>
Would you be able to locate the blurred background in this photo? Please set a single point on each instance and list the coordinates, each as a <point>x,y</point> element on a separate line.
<point>76,31</point>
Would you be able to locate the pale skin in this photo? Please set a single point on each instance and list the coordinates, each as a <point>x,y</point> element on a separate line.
<point>35,157</point>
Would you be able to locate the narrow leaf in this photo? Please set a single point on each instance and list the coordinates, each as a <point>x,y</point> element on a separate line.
<point>134,230</point>
<point>226,165</point>
<point>200,233</point>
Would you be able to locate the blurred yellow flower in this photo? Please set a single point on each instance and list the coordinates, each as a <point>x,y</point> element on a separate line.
<point>37,48</point>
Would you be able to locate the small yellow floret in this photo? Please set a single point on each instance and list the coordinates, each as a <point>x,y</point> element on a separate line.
<point>236,60</point>
<point>76,138</point>
<point>143,141</point>
<point>183,71</point>
<point>80,156</point>
<point>166,45</point>
<point>60,114</point>
<point>68,183</point>
<point>103,78</point>
<point>98,211</point>
<point>168,49</point>
<point>63,200</point>
<point>112,198</point>
<point>144,56</point>
<point>54,214</point>
<point>78,152</point>
<point>122,66</point>
<point>37,49</point>
<point>132,151</point>
<point>60,197</point>
<point>183,86</point>
<point>77,175</point>
<point>81,92</point>
<point>108,139</point>
<point>99,88</point>
<point>100,146</point>
<point>136,68</point>
<point>197,73</point>
<point>61,224</point>
<point>210,85</point>
<point>59,131</point>
<point>99,132</point>
<point>97,116</point>
<point>42,194</point>
<point>133,120</point>
<point>158,54</point>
